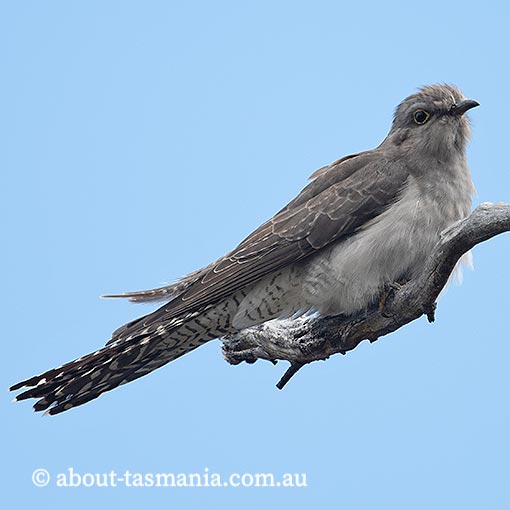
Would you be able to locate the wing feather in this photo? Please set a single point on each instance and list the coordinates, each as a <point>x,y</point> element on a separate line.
<point>341,199</point>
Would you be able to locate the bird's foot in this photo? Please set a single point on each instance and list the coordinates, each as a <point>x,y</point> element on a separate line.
<point>388,293</point>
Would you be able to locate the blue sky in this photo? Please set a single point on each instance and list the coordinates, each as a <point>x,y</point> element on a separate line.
<point>142,140</point>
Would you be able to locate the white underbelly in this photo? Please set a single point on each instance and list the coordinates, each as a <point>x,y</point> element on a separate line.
<point>352,274</point>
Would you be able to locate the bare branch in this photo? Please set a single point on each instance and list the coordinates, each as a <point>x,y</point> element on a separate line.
<point>308,339</point>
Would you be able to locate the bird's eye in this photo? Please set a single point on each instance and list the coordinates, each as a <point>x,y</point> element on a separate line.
<point>421,116</point>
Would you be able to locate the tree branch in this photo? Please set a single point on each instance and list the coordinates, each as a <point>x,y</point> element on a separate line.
<point>308,339</point>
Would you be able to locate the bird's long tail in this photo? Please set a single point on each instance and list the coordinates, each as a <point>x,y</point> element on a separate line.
<point>135,350</point>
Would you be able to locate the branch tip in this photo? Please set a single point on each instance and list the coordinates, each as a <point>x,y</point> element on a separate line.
<point>290,372</point>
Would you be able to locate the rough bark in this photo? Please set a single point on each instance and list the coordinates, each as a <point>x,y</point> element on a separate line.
<point>306,339</point>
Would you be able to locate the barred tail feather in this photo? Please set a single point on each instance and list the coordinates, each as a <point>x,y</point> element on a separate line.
<point>86,378</point>
<point>136,349</point>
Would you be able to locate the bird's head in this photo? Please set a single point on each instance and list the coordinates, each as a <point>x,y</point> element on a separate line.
<point>433,122</point>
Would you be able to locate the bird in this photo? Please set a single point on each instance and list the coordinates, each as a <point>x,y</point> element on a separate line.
<point>362,223</point>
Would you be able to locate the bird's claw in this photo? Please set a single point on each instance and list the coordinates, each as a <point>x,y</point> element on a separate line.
<point>388,292</point>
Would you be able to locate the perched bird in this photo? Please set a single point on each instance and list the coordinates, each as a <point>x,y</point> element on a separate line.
<point>364,222</point>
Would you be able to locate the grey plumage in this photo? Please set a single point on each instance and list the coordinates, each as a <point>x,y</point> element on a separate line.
<point>364,221</point>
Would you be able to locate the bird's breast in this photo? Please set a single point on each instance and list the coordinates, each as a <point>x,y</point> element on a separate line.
<point>351,274</point>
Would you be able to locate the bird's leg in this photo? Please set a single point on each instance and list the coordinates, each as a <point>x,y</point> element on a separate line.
<point>388,292</point>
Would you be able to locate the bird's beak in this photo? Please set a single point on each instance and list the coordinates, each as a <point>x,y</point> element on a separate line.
<point>462,107</point>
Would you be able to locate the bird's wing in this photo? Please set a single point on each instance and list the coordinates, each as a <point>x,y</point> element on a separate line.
<point>333,206</point>
<point>322,179</point>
